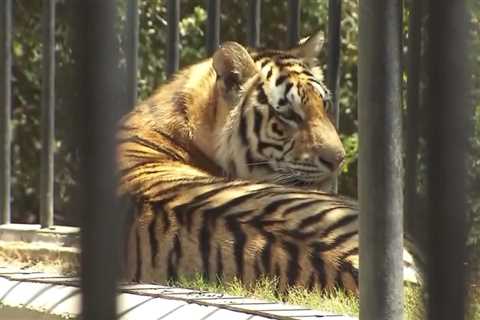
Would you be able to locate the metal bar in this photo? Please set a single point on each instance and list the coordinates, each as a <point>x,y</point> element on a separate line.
<point>293,24</point>
<point>254,16</point>
<point>173,13</point>
<point>100,88</point>
<point>132,52</point>
<point>213,26</point>
<point>412,220</point>
<point>448,109</point>
<point>333,61</point>
<point>48,115</point>
<point>5,108</point>
<point>380,160</point>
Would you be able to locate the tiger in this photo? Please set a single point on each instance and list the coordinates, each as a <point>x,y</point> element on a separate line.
<point>229,166</point>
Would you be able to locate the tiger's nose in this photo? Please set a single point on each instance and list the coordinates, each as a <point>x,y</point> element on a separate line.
<point>332,160</point>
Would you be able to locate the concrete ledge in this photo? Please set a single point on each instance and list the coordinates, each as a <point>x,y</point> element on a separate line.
<point>56,249</point>
<point>60,295</point>
<point>59,235</point>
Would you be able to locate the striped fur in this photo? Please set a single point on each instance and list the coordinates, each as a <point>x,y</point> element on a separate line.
<point>227,165</point>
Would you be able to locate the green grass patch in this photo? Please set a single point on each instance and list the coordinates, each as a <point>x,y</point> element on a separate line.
<point>335,301</point>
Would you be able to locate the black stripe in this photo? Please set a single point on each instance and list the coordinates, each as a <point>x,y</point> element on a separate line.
<point>302,205</point>
<point>347,267</point>
<point>293,267</point>
<point>204,246</point>
<point>352,252</point>
<point>340,223</point>
<point>256,269</point>
<point>149,144</point>
<point>266,255</point>
<point>173,259</point>
<point>243,130</point>
<point>261,96</point>
<point>299,235</point>
<point>281,79</point>
<point>159,209</point>
<point>264,63</point>
<point>214,212</point>
<point>322,246</point>
<point>311,281</point>
<point>138,271</point>
<point>219,264</point>
<point>257,124</point>
<point>240,239</point>
<point>177,188</point>
<point>290,148</point>
<point>278,271</point>
<point>288,87</point>
<point>318,216</point>
<point>319,265</point>
<point>187,209</point>
<point>153,241</point>
<point>269,73</point>
<point>258,221</point>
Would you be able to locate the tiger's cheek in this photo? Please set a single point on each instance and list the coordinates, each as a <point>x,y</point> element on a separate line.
<point>276,130</point>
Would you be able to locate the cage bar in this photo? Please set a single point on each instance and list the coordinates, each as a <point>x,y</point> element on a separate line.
<point>254,16</point>
<point>414,66</point>
<point>380,160</point>
<point>5,108</point>
<point>333,62</point>
<point>213,26</point>
<point>173,14</point>
<point>448,108</point>
<point>48,115</point>
<point>102,218</point>
<point>132,28</point>
<point>293,23</point>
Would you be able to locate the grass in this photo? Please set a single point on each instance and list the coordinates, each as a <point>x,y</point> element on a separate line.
<point>335,301</point>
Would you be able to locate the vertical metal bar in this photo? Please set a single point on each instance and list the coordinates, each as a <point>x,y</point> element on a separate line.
<point>254,14</point>
<point>5,108</point>
<point>413,115</point>
<point>132,52</point>
<point>48,115</point>
<point>293,23</point>
<point>448,108</point>
<point>173,13</point>
<point>380,160</point>
<point>213,26</point>
<point>100,88</point>
<point>333,61</point>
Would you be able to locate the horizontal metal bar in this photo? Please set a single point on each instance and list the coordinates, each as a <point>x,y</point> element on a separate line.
<point>173,13</point>
<point>380,160</point>
<point>48,115</point>
<point>5,108</point>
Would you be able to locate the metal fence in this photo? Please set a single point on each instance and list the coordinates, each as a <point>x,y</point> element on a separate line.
<point>380,170</point>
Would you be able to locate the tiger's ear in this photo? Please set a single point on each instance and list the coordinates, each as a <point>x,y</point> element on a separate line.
<point>234,66</point>
<point>309,48</point>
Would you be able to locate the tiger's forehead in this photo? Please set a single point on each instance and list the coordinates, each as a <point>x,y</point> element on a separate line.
<point>277,67</point>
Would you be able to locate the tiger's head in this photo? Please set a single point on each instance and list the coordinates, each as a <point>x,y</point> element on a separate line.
<point>277,126</point>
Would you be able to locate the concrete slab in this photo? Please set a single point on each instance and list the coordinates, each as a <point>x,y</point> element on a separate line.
<point>42,292</point>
